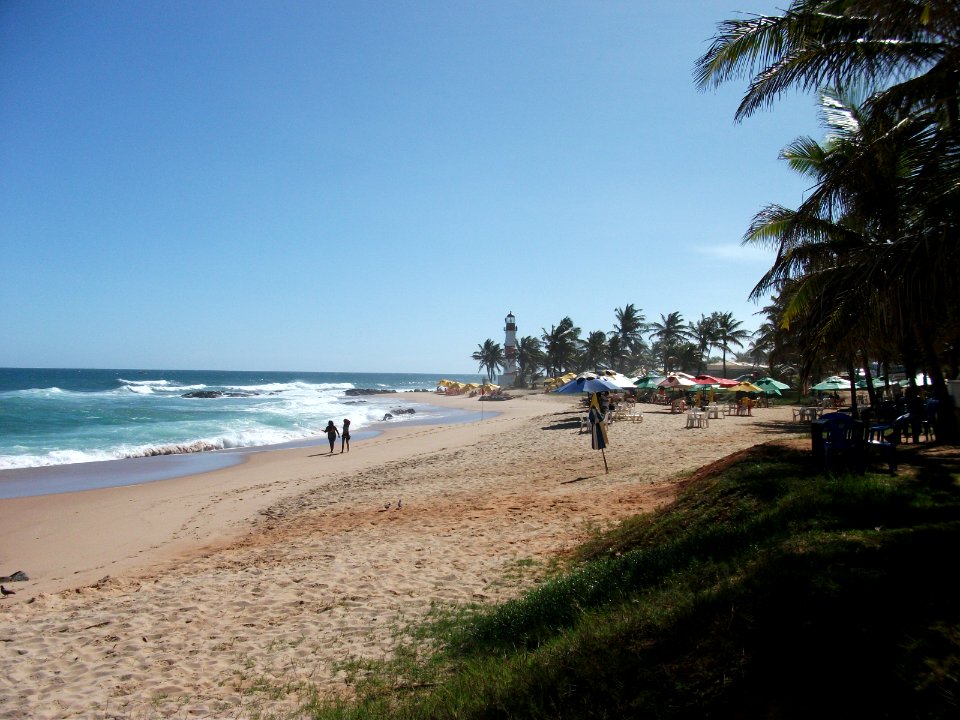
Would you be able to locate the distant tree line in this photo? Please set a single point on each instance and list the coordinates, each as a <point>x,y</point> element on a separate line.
<point>632,347</point>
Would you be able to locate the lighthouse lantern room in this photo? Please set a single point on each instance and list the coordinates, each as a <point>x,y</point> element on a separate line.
<point>509,377</point>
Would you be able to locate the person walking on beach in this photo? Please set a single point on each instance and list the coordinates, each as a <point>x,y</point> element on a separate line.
<point>332,432</point>
<point>345,436</point>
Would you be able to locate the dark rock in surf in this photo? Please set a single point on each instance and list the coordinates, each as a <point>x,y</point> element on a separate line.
<point>398,411</point>
<point>213,394</point>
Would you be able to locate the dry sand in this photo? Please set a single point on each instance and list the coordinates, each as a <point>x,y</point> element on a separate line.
<point>232,593</point>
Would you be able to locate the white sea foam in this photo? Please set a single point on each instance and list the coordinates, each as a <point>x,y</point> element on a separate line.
<point>157,383</point>
<point>55,457</point>
<point>149,416</point>
<point>35,392</point>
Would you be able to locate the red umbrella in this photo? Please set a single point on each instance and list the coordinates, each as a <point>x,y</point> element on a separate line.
<point>711,380</point>
<point>677,382</point>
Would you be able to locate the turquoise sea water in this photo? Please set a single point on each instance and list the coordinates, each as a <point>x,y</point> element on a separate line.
<point>78,419</point>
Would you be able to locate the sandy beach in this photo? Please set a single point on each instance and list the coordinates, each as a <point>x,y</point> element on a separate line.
<point>238,591</point>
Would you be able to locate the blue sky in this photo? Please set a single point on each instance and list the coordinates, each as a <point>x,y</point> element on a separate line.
<point>367,186</point>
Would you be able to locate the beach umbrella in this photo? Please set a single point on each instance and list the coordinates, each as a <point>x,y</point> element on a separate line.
<point>770,386</point>
<point>708,380</point>
<point>619,379</point>
<point>747,387</point>
<point>648,382</point>
<point>588,385</point>
<point>770,381</point>
<point>832,383</point>
<point>679,382</point>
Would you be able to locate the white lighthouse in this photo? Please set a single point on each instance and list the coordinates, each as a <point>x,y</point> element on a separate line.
<point>509,377</point>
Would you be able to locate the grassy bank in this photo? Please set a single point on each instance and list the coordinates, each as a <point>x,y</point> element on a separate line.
<point>764,591</point>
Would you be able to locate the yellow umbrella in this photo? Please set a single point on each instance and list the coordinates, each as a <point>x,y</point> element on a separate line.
<point>551,383</point>
<point>745,387</point>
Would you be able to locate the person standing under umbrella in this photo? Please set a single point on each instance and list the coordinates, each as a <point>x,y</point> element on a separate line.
<point>598,428</point>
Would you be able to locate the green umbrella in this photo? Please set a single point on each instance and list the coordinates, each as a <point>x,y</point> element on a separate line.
<point>768,389</point>
<point>649,382</point>
<point>770,381</point>
<point>832,383</point>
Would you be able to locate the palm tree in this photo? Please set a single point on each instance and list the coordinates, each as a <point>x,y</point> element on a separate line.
<point>824,248</point>
<point>844,43</point>
<point>863,260</point>
<point>529,359</point>
<point>669,333</point>
<point>728,332</point>
<point>560,345</point>
<point>593,350</point>
<point>686,357</point>
<point>629,329</point>
<point>863,239</point>
<point>490,356</point>
<point>618,358</point>
<point>703,334</point>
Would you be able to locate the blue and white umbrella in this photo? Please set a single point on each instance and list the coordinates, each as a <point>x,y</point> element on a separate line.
<point>588,385</point>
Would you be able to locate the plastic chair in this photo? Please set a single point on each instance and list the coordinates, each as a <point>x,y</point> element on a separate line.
<point>884,439</point>
<point>836,435</point>
<point>929,423</point>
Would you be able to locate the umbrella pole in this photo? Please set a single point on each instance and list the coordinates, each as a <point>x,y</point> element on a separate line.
<point>605,468</point>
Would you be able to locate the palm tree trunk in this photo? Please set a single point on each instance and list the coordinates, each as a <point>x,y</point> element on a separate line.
<point>868,376</point>
<point>946,429</point>
<point>886,378</point>
<point>854,409</point>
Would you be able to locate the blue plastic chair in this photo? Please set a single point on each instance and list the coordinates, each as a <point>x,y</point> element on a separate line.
<point>884,439</point>
<point>838,435</point>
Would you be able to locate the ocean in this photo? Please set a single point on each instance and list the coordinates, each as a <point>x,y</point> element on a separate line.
<point>64,429</point>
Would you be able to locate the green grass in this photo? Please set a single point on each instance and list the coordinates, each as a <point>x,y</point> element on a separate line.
<point>763,591</point>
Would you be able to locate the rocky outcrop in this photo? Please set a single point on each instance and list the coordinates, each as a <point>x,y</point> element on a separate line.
<point>398,411</point>
<point>213,394</point>
<point>367,391</point>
